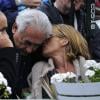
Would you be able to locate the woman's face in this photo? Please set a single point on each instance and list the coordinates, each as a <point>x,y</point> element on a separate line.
<point>52,46</point>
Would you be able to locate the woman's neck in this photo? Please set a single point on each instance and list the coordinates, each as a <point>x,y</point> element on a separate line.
<point>62,64</point>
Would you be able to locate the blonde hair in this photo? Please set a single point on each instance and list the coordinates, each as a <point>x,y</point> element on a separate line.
<point>77,45</point>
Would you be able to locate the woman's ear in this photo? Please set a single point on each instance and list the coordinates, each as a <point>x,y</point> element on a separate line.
<point>14,28</point>
<point>64,41</point>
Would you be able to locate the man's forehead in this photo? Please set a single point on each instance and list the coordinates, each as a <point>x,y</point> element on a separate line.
<point>35,37</point>
<point>34,32</point>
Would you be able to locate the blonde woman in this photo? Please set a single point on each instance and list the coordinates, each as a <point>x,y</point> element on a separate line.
<point>68,51</point>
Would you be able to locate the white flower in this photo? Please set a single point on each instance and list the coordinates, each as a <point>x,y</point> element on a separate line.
<point>71,75</point>
<point>67,74</point>
<point>3,81</point>
<point>90,73</point>
<point>90,63</point>
<point>62,76</point>
<point>1,75</point>
<point>56,78</point>
<point>97,66</point>
<point>9,89</point>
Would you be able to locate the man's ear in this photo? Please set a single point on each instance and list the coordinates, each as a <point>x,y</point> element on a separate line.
<point>64,41</point>
<point>14,28</point>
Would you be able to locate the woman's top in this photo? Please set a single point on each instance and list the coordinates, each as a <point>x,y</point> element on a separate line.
<point>42,71</point>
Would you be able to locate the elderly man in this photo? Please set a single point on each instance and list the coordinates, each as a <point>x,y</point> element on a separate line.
<point>7,55</point>
<point>30,30</point>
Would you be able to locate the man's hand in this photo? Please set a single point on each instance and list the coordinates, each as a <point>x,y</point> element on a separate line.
<point>5,40</point>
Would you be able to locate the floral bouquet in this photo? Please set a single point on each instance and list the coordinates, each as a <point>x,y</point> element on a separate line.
<point>93,70</point>
<point>67,89</point>
<point>63,77</point>
<point>5,90</point>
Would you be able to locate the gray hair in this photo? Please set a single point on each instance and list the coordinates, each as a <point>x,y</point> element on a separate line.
<point>34,18</point>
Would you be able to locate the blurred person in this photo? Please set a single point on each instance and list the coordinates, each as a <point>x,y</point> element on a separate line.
<point>30,30</point>
<point>32,3</point>
<point>9,8</point>
<point>94,43</point>
<point>79,16</point>
<point>65,11</point>
<point>7,56</point>
<point>58,11</point>
<point>23,4</point>
<point>94,39</point>
<point>68,51</point>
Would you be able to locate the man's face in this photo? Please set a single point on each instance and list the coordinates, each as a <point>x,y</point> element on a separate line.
<point>29,40</point>
<point>3,23</point>
<point>66,5</point>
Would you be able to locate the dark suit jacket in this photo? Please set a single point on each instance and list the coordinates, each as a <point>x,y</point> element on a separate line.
<point>54,15</point>
<point>94,44</point>
<point>8,67</point>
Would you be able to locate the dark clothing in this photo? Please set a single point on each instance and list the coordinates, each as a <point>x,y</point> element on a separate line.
<point>25,64</point>
<point>94,44</point>
<point>54,15</point>
<point>8,67</point>
<point>80,15</point>
<point>9,8</point>
<point>6,5</point>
